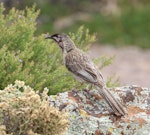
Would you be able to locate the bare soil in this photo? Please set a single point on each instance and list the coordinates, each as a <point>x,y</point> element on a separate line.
<point>131,64</point>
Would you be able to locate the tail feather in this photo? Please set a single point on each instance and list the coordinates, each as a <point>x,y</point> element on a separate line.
<point>112,102</point>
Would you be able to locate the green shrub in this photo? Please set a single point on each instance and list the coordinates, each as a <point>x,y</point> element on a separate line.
<point>25,113</point>
<point>30,58</point>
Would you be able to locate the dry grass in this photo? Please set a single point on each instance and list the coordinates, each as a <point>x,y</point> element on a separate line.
<point>24,112</point>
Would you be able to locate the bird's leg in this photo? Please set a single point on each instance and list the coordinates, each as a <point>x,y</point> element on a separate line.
<point>78,86</point>
<point>89,87</point>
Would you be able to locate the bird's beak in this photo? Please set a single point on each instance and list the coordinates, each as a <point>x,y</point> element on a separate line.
<point>48,37</point>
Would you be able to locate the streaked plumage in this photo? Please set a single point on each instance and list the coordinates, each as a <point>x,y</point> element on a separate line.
<point>84,70</point>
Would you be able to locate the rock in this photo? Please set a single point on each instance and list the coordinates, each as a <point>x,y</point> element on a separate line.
<point>89,115</point>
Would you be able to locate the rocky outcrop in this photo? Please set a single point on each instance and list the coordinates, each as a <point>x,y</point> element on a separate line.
<point>89,115</point>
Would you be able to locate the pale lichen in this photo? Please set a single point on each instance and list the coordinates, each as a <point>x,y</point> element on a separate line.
<point>88,112</point>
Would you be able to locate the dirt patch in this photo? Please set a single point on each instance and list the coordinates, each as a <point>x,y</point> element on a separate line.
<point>131,64</point>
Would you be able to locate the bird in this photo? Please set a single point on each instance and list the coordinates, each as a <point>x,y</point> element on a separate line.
<point>84,70</point>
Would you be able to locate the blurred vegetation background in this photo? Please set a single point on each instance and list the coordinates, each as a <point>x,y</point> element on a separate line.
<point>117,22</point>
<point>24,55</point>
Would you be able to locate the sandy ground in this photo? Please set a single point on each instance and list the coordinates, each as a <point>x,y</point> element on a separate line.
<point>131,65</point>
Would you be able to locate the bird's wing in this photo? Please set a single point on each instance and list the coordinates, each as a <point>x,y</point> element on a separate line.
<point>80,65</point>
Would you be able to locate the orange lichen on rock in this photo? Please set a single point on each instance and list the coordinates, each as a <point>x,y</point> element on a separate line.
<point>133,110</point>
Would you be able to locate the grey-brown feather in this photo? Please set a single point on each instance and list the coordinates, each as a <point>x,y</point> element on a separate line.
<point>81,66</point>
<point>79,63</point>
<point>83,69</point>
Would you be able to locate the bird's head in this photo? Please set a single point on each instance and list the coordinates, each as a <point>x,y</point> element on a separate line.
<point>63,41</point>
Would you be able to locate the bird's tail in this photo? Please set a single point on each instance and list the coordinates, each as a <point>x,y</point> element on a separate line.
<point>112,102</point>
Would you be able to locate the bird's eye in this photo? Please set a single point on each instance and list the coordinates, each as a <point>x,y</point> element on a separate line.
<point>60,40</point>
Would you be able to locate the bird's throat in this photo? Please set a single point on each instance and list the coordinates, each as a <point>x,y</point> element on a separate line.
<point>70,50</point>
